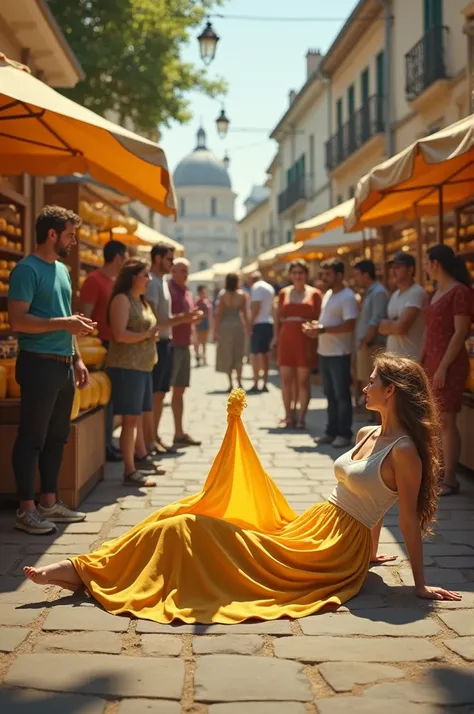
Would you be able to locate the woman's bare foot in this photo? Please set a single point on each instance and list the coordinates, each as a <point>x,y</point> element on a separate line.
<point>62,574</point>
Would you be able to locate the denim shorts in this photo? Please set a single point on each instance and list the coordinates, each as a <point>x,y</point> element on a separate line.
<point>132,392</point>
<point>261,338</point>
<point>163,369</point>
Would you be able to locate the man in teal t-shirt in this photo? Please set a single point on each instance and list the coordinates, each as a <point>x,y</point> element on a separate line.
<point>47,368</point>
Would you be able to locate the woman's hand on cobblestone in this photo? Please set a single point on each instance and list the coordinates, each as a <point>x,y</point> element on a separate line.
<point>434,593</point>
<point>383,558</point>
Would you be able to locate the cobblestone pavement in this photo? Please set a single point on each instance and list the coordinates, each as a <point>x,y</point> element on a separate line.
<point>385,652</point>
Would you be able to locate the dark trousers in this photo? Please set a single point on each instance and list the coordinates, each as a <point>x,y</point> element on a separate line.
<point>336,380</point>
<point>47,393</point>
<point>109,413</point>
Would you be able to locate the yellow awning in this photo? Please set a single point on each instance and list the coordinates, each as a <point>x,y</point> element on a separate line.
<point>435,171</point>
<point>203,276</point>
<point>147,236</point>
<point>273,255</point>
<point>223,269</point>
<point>324,222</point>
<point>332,242</point>
<point>46,134</point>
<point>250,268</point>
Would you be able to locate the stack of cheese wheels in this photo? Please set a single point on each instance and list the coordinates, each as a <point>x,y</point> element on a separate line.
<point>92,351</point>
<point>105,387</point>
<point>3,382</point>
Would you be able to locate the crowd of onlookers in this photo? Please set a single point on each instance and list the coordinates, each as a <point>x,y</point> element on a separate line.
<point>147,318</point>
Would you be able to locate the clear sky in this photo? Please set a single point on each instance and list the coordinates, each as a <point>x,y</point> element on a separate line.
<point>261,62</point>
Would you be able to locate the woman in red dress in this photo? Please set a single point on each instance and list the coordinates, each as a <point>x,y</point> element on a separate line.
<point>296,304</point>
<point>448,318</point>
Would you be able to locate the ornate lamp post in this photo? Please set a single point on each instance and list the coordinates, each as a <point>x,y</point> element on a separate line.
<point>226,160</point>
<point>207,44</point>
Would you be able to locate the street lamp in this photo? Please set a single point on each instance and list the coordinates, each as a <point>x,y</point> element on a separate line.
<point>226,160</point>
<point>222,124</point>
<point>207,44</point>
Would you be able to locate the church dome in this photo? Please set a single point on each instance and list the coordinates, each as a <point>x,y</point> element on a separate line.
<point>201,167</point>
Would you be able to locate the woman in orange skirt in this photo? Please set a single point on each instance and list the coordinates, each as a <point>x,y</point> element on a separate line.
<point>297,304</point>
<point>237,551</point>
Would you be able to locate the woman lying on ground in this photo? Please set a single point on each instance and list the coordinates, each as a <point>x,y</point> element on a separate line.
<point>237,551</point>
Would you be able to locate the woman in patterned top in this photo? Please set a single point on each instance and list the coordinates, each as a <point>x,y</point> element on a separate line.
<point>130,361</point>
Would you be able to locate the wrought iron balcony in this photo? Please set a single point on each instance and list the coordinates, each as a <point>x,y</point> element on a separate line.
<point>294,192</point>
<point>366,123</point>
<point>425,63</point>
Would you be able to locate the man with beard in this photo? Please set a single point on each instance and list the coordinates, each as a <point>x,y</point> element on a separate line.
<point>48,366</point>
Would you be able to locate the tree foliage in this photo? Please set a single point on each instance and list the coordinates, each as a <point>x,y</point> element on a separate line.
<point>130,53</point>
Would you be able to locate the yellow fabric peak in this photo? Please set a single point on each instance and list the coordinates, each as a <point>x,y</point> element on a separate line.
<point>233,551</point>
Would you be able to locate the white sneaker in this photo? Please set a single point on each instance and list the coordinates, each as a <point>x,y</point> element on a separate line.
<point>31,521</point>
<point>324,439</point>
<point>341,443</point>
<point>60,513</point>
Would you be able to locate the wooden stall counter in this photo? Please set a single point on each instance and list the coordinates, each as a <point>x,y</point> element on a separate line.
<point>84,454</point>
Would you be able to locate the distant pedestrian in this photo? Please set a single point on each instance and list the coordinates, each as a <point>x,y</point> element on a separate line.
<point>203,327</point>
<point>262,296</point>
<point>230,330</point>
<point>405,325</point>
<point>373,310</point>
<point>335,333</point>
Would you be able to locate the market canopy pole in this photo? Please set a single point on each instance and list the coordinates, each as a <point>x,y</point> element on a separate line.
<point>44,133</point>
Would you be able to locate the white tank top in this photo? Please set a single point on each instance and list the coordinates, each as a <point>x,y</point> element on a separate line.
<point>360,490</point>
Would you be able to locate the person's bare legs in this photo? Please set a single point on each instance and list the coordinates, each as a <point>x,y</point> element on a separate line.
<point>128,437</point>
<point>202,338</point>
<point>238,372</point>
<point>265,366</point>
<point>256,366</point>
<point>303,381</point>
<point>62,573</point>
<point>149,431</point>
<point>288,378</point>
<point>451,447</point>
<point>177,406</point>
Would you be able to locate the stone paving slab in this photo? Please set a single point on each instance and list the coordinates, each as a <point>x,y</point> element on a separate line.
<point>99,674</point>
<point>360,649</point>
<point>363,705</point>
<point>84,617</point>
<point>228,644</point>
<point>235,678</point>
<point>103,642</point>
<point>17,701</point>
<point>8,556</point>
<point>12,637</point>
<point>161,645</point>
<point>461,622</point>
<point>272,627</point>
<point>463,646</point>
<point>453,688</point>
<point>258,708</point>
<point>386,622</point>
<point>435,576</point>
<point>344,676</point>
<point>21,591</point>
<point>16,614</point>
<point>133,516</point>
<point>148,706</point>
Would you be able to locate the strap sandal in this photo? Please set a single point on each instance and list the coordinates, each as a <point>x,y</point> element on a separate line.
<point>137,478</point>
<point>148,463</point>
<point>186,440</point>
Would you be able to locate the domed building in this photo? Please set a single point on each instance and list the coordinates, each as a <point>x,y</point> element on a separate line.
<point>206,224</point>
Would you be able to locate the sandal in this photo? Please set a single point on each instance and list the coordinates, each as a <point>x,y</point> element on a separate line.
<point>287,423</point>
<point>136,478</point>
<point>448,490</point>
<point>147,462</point>
<point>186,440</point>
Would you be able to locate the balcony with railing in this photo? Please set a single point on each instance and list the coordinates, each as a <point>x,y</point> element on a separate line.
<point>294,193</point>
<point>365,124</point>
<point>425,63</point>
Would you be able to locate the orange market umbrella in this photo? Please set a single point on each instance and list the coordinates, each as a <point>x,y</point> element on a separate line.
<point>45,134</point>
<point>431,175</point>
<point>323,222</point>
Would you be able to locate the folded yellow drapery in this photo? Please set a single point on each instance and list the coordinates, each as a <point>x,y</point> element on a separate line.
<point>232,552</point>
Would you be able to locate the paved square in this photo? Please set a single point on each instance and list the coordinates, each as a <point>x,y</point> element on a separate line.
<point>385,651</point>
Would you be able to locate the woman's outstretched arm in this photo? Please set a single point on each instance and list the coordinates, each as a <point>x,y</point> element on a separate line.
<point>407,470</point>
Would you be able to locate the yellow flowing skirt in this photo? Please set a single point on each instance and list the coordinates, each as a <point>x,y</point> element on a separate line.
<point>233,552</point>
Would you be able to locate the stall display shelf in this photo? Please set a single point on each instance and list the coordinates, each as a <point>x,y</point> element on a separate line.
<point>13,207</point>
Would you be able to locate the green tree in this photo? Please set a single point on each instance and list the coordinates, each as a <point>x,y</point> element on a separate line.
<point>130,54</point>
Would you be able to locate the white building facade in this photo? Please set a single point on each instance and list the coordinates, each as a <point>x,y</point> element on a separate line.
<point>206,224</point>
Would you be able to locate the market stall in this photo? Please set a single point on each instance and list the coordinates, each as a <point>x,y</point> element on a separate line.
<point>431,184</point>
<point>46,134</point>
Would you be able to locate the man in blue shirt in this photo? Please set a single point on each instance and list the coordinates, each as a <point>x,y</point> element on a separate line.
<point>47,368</point>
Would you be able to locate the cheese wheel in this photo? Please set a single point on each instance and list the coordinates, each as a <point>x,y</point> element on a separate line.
<point>85,397</point>
<point>105,387</point>
<point>93,355</point>
<point>13,389</point>
<point>95,390</point>
<point>3,382</point>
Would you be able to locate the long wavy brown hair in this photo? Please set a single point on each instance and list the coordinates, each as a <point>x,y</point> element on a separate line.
<point>124,281</point>
<point>418,414</point>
